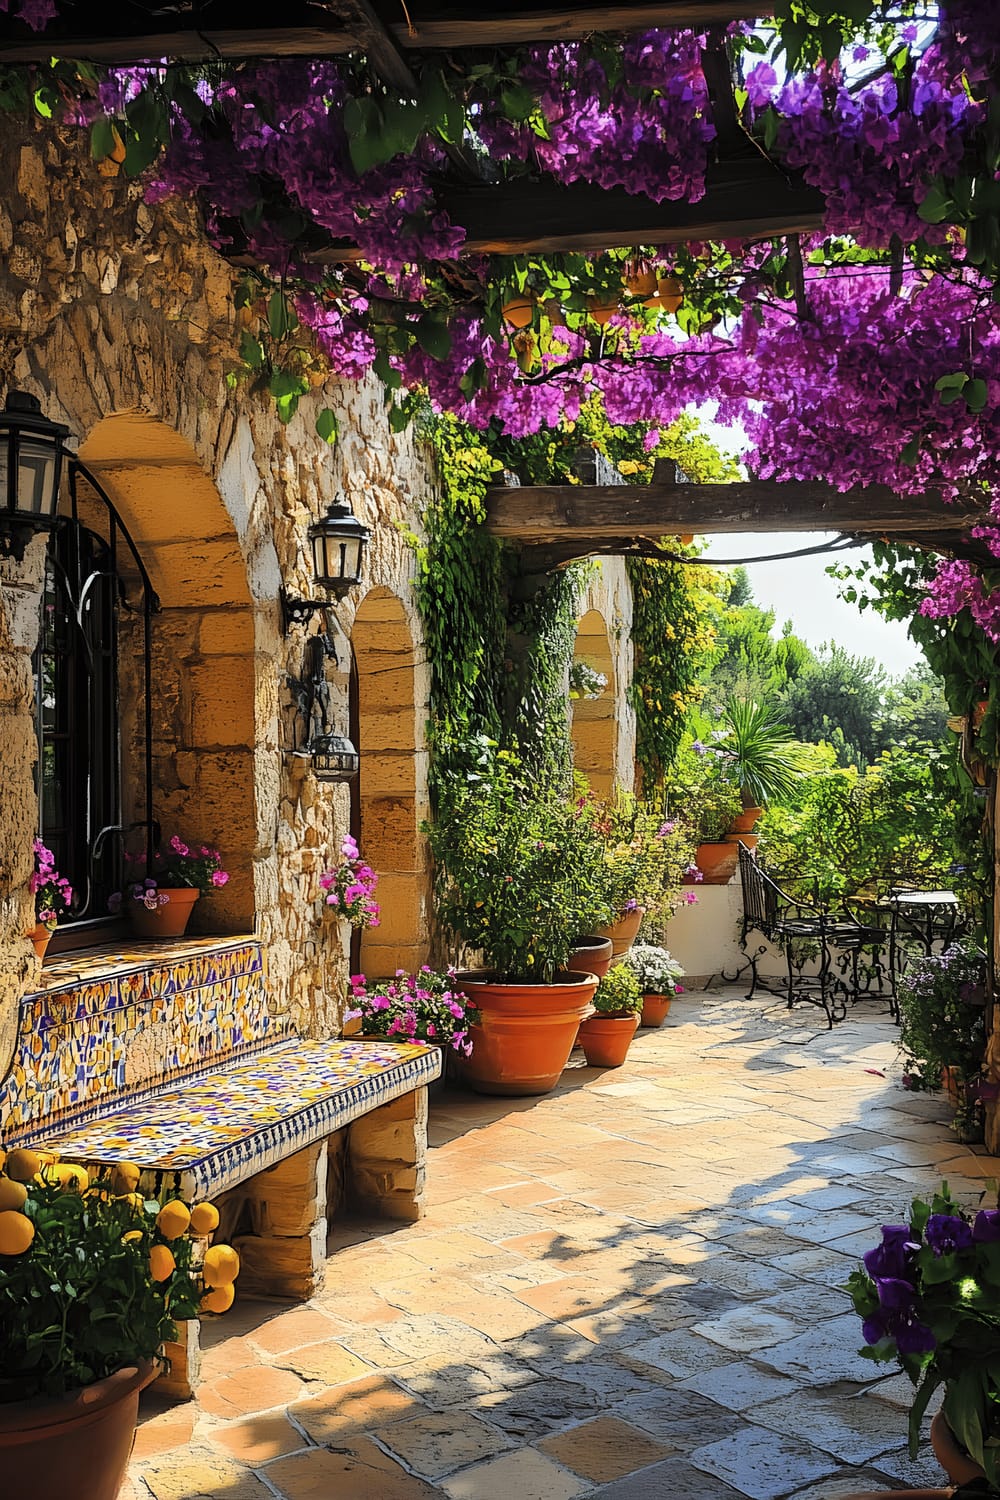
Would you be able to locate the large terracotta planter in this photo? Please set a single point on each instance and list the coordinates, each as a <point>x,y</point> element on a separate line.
<point>73,1447</point>
<point>592,955</point>
<point>41,936</point>
<point>623,933</point>
<point>168,920</point>
<point>655,1009</point>
<point>606,1039</point>
<point>526,1033</point>
<point>717,862</point>
<point>748,840</point>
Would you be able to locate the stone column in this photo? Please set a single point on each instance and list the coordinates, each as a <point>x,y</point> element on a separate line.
<point>285,1256</point>
<point>387,1155</point>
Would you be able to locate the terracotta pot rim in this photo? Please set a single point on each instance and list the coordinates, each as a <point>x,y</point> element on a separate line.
<point>569,979</point>
<point>590,940</point>
<point>26,1417</point>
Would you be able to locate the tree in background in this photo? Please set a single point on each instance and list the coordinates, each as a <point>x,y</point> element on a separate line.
<point>838,698</point>
<point>914,709</point>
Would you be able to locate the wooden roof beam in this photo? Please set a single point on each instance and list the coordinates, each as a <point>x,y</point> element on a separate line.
<point>612,517</point>
<point>233,31</point>
<point>745,198</point>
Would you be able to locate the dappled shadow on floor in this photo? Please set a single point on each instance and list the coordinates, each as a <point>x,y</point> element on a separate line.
<point>629,1288</point>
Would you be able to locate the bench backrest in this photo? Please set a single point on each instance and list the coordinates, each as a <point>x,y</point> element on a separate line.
<point>109,1032</point>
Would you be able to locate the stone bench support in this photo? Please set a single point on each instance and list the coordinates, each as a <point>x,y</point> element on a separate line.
<point>387,1153</point>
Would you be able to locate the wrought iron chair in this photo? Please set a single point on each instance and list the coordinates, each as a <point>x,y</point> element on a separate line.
<point>806,933</point>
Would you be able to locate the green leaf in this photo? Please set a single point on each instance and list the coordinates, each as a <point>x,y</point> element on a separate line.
<point>517,102</point>
<point>936,206</point>
<point>102,138</point>
<point>976,394</point>
<point>326,426</point>
<point>251,351</point>
<point>910,453</point>
<point>363,124</point>
<point>280,318</point>
<point>433,337</point>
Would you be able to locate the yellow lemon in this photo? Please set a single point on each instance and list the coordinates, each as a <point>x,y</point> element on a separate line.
<point>74,1179</point>
<point>12,1194</point>
<point>204,1219</point>
<point>222,1265</point>
<point>23,1164</point>
<point>219,1299</point>
<point>173,1219</point>
<point>161,1263</point>
<point>132,1236</point>
<point>124,1178</point>
<point>16,1233</point>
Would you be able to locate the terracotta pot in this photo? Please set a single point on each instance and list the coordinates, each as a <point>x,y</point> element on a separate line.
<point>168,920</point>
<point>41,936</point>
<point>954,1460</point>
<point>73,1447</point>
<point>717,862</point>
<point>592,955</point>
<point>623,932</point>
<point>748,840</point>
<point>641,284</point>
<point>744,822</point>
<point>655,1009</point>
<point>526,1032</point>
<point>606,1039</point>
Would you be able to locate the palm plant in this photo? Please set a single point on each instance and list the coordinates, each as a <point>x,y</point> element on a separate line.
<point>765,759</point>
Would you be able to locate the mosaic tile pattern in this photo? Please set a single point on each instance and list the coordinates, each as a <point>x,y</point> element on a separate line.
<point>114,1024</point>
<point>216,1130</point>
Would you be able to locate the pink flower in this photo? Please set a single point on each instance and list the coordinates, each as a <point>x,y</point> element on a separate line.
<point>219,877</point>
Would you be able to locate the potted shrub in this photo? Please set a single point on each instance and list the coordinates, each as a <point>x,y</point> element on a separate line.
<point>518,874</point>
<point>763,759</point>
<point>53,895</point>
<point>657,975</point>
<point>92,1280</point>
<point>606,1035</point>
<point>634,841</point>
<point>159,905</point>
<point>943,1030</point>
<point>928,1298</point>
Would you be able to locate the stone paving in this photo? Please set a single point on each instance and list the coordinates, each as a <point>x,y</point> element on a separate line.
<point>627,1289</point>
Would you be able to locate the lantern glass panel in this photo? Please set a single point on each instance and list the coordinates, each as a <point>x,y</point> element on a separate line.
<point>37,477</point>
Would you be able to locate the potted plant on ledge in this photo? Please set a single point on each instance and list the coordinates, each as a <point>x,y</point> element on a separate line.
<point>160,904</point>
<point>53,896</point>
<point>518,874</point>
<point>92,1279</point>
<point>607,1035</point>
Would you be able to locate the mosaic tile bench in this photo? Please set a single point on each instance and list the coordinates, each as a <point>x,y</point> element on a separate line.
<point>172,1061</point>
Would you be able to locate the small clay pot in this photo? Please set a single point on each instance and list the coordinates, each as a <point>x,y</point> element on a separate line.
<point>624,932</point>
<point>606,1039</point>
<point>168,920</point>
<point>41,936</point>
<point>655,1009</point>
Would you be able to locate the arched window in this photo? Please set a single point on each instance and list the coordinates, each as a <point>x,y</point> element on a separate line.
<point>79,760</point>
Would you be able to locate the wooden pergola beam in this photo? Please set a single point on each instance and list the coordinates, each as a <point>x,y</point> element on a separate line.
<point>235,31</point>
<point>611,518</point>
<point>745,198</point>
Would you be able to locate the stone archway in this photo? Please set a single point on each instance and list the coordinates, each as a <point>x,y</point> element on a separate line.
<point>203,662</point>
<point>593,725</point>
<point>391,790</point>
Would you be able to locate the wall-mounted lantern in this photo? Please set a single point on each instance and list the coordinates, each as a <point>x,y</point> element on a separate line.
<point>337,543</point>
<point>31,454</point>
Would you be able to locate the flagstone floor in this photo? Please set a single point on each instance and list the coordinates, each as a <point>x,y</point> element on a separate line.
<point>627,1289</point>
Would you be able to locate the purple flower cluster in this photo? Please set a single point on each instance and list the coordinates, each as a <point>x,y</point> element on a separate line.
<point>422,1007</point>
<point>891,1266</point>
<point>52,892</point>
<point>350,887</point>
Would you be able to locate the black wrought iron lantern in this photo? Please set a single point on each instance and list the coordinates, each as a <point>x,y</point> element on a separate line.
<point>31,455</point>
<point>333,757</point>
<point>338,544</point>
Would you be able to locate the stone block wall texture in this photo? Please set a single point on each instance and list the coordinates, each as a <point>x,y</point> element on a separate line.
<point>119,318</point>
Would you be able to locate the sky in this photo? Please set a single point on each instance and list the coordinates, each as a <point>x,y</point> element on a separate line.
<point>799,590</point>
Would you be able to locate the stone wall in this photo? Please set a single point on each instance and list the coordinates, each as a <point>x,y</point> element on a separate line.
<point>603,729</point>
<point>119,318</point>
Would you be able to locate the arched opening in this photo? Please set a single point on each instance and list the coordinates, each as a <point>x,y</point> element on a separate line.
<point>391,790</point>
<point>593,727</point>
<point>202,652</point>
